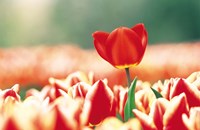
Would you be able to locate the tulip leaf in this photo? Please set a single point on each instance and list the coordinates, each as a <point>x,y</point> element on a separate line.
<point>157,94</point>
<point>119,117</point>
<point>130,102</point>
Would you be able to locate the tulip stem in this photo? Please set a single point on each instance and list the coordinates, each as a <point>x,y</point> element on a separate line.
<point>128,76</point>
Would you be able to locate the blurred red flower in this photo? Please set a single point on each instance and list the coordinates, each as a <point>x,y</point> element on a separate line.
<point>99,102</point>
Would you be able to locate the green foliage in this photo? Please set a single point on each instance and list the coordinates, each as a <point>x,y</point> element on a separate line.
<point>119,117</point>
<point>130,103</point>
<point>157,94</point>
<point>24,89</point>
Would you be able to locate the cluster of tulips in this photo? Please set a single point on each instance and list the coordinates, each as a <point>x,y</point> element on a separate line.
<point>79,102</point>
<point>82,102</point>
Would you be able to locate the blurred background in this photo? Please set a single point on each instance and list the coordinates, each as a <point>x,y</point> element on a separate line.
<point>33,22</point>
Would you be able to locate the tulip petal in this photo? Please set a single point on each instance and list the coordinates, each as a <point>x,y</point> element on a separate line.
<point>193,121</point>
<point>101,98</point>
<point>191,92</point>
<point>141,31</point>
<point>80,90</point>
<point>113,123</point>
<point>157,111</point>
<point>61,121</point>
<point>12,92</point>
<point>11,124</point>
<point>145,120</point>
<point>172,118</point>
<point>144,99</point>
<point>124,48</point>
<point>100,43</point>
<point>121,94</point>
<point>110,123</point>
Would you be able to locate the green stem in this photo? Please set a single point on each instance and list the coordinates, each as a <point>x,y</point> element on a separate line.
<point>128,76</point>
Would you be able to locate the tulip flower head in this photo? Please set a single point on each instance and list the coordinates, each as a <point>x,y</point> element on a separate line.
<point>123,47</point>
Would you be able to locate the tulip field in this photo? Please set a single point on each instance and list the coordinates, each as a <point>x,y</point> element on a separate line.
<point>99,98</point>
<point>78,102</point>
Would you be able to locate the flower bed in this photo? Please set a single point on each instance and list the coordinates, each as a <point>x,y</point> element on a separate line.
<point>79,102</point>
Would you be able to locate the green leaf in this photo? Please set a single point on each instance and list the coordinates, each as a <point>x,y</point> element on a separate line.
<point>157,94</point>
<point>130,102</point>
<point>119,117</point>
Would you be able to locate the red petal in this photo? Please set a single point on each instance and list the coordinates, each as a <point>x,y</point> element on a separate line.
<point>11,124</point>
<point>191,92</point>
<point>124,47</point>
<point>141,31</point>
<point>13,92</point>
<point>145,120</point>
<point>100,43</point>
<point>193,121</point>
<point>101,98</point>
<point>172,118</point>
<point>61,121</point>
<point>80,90</point>
<point>120,97</point>
<point>157,112</point>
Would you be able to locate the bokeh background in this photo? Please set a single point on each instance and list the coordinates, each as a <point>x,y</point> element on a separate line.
<point>33,22</point>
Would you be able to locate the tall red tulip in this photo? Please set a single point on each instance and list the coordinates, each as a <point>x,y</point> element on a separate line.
<point>123,47</point>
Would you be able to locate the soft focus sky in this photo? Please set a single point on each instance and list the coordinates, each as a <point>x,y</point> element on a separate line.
<point>33,22</point>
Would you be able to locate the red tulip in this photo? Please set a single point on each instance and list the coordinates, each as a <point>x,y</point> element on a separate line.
<point>165,114</point>
<point>120,94</point>
<point>192,93</point>
<point>12,92</point>
<point>176,86</point>
<point>51,92</point>
<point>192,121</point>
<point>143,99</point>
<point>9,124</point>
<point>99,102</point>
<point>80,90</point>
<point>124,47</point>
